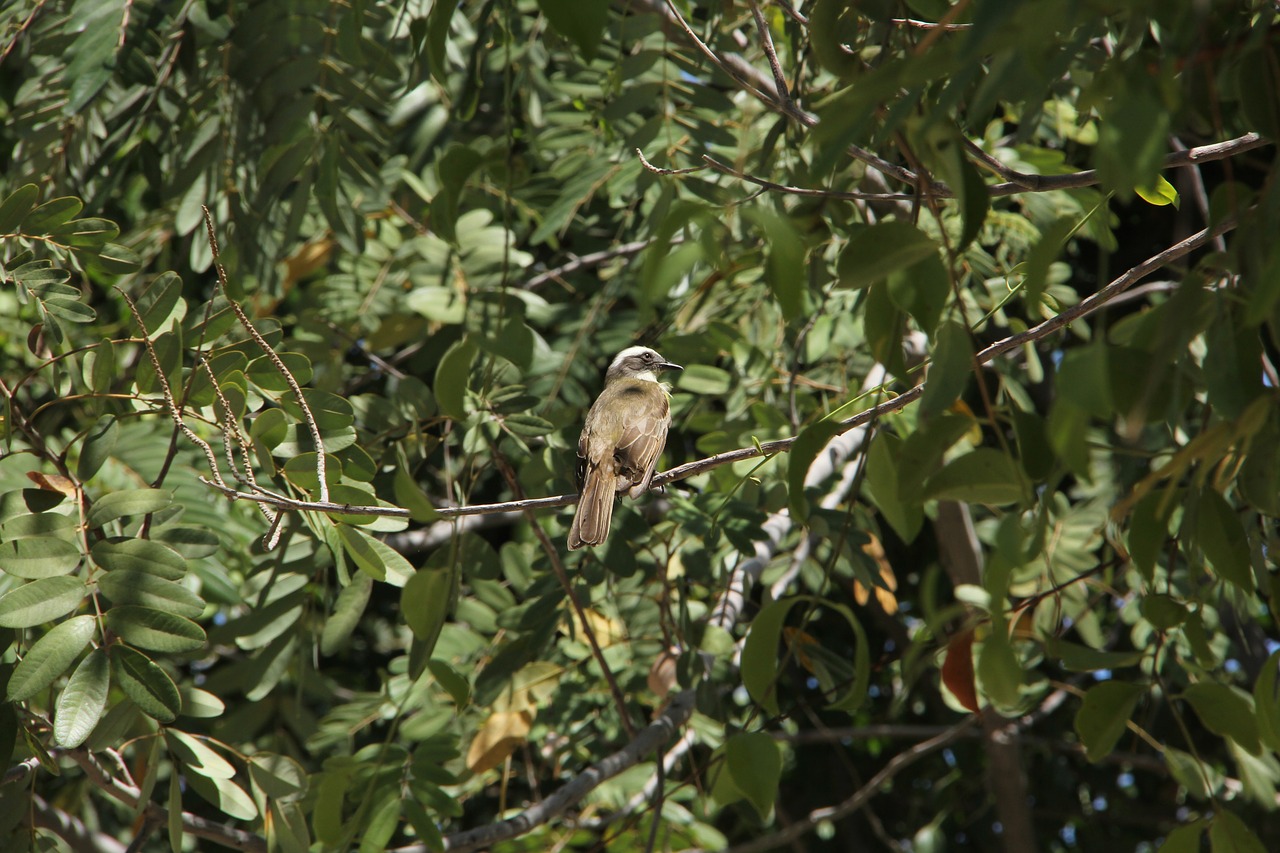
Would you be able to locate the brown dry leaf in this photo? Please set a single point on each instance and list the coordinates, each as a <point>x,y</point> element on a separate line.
<point>53,483</point>
<point>309,258</point>
<point>498,738</point>
<point>957,670</point>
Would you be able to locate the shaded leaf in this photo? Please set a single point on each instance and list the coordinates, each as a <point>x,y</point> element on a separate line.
<point>754,761</point>
<point>143,681</point>
<point>1104,715</point>
<point>155,630</point>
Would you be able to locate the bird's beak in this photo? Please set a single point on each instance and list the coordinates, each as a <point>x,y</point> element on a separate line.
<point>667,365</point>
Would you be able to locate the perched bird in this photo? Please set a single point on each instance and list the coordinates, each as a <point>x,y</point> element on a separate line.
<point>625,432</point>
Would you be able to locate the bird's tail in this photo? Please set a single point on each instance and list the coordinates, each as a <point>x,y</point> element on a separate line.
<point>595,507</point>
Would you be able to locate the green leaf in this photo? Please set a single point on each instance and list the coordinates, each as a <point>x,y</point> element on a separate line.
<point>1266,701</point>
<point>808,444</point>
<point>1223,540</point>
<point>82,701</point>
<point>91,57</point>
<point>139,555</point>
<point>528,425</point>
<point>452,681</point>
<point>1042,255</point>
<point>949,369</point>
<point>754,761</point>
<point>175,812</point>
<point>98,446</point>
<point>424,602</point>
<point>424,825</point>
<point>999,670</point>
<point>143,681</point>
<point>279,776</point>
<point>410,496</point>
<point>1078,658</point>
<point>440,304</point>
<point>884,484</point>
<point>759,663</point>
<point>451,378</point>
<point>90,232</point>
<point>582,21</point>
<point>347,611</point>
<point>198,756</point>
<point>40,601</point>
<point>16,206</point>
<point>116,259</point>
<point>35,557</point>
<point>155,630</point>
<point>134,587</point>
<point>1104,715</point>
<point>921,290</point>
<point>1229,834</point>
<point>784,264</point>
<point>985,475</point>
<point>160,303</point>
<point>51,214</point>
<point>131,502</point>
<point>1185,839</point>
<point>382,822</point>
<point>227,795</point>
<point>1200,780</point>
<point>1225,712</point>
<point>1132,137</point>
<point>1160,194</point>
<point>1083,379</point>
<point>49,657</point>
<point>200,704</point>
<point>705,379</point>
<point>877,252</point>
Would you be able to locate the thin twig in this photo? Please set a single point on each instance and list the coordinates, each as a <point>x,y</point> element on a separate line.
<point>725,168</point>
<point>591,259</point>
<point>247,324</point>
<point>896,765</point>
<point>766,41</point>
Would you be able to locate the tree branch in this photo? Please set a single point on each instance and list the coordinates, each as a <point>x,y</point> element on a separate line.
<point>768,448</point>
<point>896,765</point>
<point>661,730</point>
<point>227,836</point>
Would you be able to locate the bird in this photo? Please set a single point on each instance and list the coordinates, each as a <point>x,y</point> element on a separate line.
<point>622,438</point>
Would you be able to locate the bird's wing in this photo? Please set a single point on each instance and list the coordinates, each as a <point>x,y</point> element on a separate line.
<point>640,446</point>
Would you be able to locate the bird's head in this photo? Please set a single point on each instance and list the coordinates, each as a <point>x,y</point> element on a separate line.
<point>639,363</point>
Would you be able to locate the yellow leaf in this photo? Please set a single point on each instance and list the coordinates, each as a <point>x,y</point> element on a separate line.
<point>497,739</point>
<point>1160,194</point>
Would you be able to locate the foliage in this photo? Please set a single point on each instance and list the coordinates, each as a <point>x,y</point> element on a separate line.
<point>285,284</point>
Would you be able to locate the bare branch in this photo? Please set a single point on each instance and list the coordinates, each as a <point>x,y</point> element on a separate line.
<point>766,41</point>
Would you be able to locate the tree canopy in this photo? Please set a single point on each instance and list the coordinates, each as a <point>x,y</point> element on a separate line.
<point>964,536</point>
